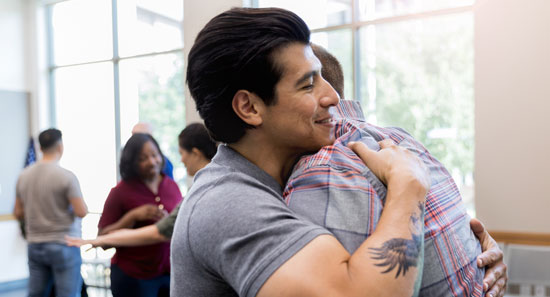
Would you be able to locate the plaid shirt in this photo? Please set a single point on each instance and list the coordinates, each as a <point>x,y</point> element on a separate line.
<point>335,189</point>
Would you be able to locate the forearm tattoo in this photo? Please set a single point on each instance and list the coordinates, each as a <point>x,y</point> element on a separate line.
<point>402,253</point>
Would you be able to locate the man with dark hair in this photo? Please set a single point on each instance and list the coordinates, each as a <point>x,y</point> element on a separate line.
<point>332,70</point>
<point>347,199</point>
<point>49,200</point>
<point>258,87</point>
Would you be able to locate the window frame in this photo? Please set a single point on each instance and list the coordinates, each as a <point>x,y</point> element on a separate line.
<point>115,60</point>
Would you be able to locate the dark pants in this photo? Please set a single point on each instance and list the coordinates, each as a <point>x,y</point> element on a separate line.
<point>123,285</point>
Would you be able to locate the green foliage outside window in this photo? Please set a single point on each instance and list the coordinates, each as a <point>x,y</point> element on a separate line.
<point>161,103</point>
<point>424,84</point>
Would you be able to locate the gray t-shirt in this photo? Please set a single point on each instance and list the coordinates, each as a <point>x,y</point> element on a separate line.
<point>233,230</point>
<point>45,189</point>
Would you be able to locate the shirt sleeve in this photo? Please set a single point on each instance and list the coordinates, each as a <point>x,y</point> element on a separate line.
<point>166,225</point>
<point>18,188</point>
<point>112,209</point>
<point>73,188</point>
<point>245,236</point>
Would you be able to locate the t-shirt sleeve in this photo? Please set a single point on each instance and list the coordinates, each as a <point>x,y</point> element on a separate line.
<point>73,187</point>
<point>18,188</point>
<point>166,225</point>
<point>245,236</point>
<point>112,209</point>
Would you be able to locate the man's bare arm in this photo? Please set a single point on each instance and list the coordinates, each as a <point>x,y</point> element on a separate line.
<point>18,210</point>
<point>79,206</point>
<point>388,263</point>
<point>122,237</point>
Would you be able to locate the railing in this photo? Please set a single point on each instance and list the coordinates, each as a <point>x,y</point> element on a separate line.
<point>96,271</point>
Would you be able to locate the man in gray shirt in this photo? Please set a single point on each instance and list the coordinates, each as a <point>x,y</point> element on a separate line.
<point>49,200</point>
<point>257,85</point>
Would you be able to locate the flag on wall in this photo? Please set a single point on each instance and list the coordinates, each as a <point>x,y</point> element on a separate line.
<point>31,153</point>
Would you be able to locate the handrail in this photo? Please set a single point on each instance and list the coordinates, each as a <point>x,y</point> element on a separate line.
<point>7,217</point>
<point>515,237</point>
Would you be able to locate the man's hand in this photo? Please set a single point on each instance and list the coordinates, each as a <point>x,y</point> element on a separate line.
<point>496,277</point>
<point>394,165</point>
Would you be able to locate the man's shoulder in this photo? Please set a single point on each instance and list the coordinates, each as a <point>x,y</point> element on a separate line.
<point>337,155</point>
<point>51,170</point>
<point>221,182</point>
<point>349,127</point>
<point>64,173</point>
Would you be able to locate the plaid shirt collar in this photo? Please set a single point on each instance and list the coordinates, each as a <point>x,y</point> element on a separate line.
<point>349,110</point>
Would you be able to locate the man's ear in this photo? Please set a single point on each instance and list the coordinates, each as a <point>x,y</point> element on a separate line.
<point>248,107</point>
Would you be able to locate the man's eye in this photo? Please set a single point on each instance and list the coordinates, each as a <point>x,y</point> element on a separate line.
<point>308,87</point>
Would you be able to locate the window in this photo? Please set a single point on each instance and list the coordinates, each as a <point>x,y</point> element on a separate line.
<point>410,64</point>
<point>114,63</point>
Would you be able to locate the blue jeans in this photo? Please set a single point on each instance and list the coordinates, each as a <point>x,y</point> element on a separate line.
<point>54,263</point>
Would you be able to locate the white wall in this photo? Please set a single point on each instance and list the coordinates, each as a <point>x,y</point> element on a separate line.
<point>12,50</point>
<point>13,255</point>
<point>512,93</point>
<point>196,13</point>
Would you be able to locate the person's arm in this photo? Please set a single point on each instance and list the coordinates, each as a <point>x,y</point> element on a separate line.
<point>389,262</point>
<point>79,206</point>
<point>166,225</point>
<point>145,212</point>
<point>18,211</point>
<point>159,232</point>
<point>122,237</point>
<point>494,282</point>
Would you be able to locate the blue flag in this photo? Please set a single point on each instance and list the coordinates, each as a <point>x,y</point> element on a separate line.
<point>31,153</point>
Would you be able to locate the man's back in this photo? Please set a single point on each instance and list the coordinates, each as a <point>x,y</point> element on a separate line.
<point>335,189</point>
<point>45,189</point>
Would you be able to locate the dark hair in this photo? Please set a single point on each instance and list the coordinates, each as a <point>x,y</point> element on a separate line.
<point>196,136</point>
<point>332,70</point>
<point>130,155</point>
<point>49,138</point>
<point>235,51</point>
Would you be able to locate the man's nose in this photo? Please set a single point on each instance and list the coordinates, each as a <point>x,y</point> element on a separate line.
<point>329,96</point>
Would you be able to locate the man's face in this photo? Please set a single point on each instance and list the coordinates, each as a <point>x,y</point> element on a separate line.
<point>300,121</point>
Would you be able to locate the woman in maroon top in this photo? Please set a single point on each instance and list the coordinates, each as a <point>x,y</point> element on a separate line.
<point>142,197</point>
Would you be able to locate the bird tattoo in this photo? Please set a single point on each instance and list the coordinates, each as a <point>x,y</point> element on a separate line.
<point>400,252</point>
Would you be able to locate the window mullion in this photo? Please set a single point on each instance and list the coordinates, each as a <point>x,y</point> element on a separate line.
<point>355,50</point>
<point>51,83</point>
<point>116,84</point>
